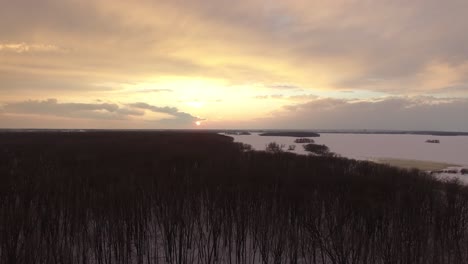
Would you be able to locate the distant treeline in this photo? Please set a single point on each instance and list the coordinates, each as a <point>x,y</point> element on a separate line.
<point>242,133</point>
<point>300,134</point>
<point>147,197</point>
<point>247,132</point>
<point>392,132</point>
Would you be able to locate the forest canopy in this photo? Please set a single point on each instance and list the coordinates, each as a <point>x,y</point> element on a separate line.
<point>178,197</point>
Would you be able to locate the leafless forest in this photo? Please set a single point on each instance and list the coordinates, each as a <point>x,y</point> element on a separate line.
<point>187,197</point>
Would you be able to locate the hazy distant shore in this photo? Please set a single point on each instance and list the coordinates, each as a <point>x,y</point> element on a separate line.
<point>290,134</point>
<point>265,131</point>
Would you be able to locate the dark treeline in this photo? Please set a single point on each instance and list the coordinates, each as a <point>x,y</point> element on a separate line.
<point>146,197</point>
<point>317,149</point>
<point>304,140</point>
<point>299,134</point>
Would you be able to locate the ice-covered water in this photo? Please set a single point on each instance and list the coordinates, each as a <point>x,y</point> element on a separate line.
<point>451,149</point>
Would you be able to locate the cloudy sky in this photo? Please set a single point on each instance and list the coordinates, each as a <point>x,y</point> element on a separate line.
<point>234,64</point>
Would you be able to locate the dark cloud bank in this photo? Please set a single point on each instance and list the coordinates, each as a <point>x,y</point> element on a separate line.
<point>394,113</point>
<point>108,111</point>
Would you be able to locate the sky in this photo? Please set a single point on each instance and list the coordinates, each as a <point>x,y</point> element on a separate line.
<point>247,64</point>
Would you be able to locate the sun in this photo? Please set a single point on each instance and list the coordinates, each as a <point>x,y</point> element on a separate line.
<point>198,123</point>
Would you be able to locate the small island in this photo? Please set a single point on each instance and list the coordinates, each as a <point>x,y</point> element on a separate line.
<point>300,134</point>
<point>304,140</point>
<point>238,133</point>
<point>317,149</point>
<point>436,141</point>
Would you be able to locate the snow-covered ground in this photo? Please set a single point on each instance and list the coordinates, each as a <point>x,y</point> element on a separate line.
<point>453,173</point>
<point>452,150</point>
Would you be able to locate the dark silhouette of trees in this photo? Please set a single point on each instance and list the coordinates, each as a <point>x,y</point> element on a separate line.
<point>274,147</point>
<point>301,134</point>
<point>317,149</point>
<point>147,197</point>
<point>304,140</point>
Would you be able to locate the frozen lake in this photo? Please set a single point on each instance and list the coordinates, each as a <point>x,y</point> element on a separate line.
<point>451,149</point>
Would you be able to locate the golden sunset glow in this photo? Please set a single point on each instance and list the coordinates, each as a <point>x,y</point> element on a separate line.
<point>256,64</point>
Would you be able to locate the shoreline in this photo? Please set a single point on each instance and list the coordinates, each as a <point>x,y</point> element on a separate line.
<point>418,164</point>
